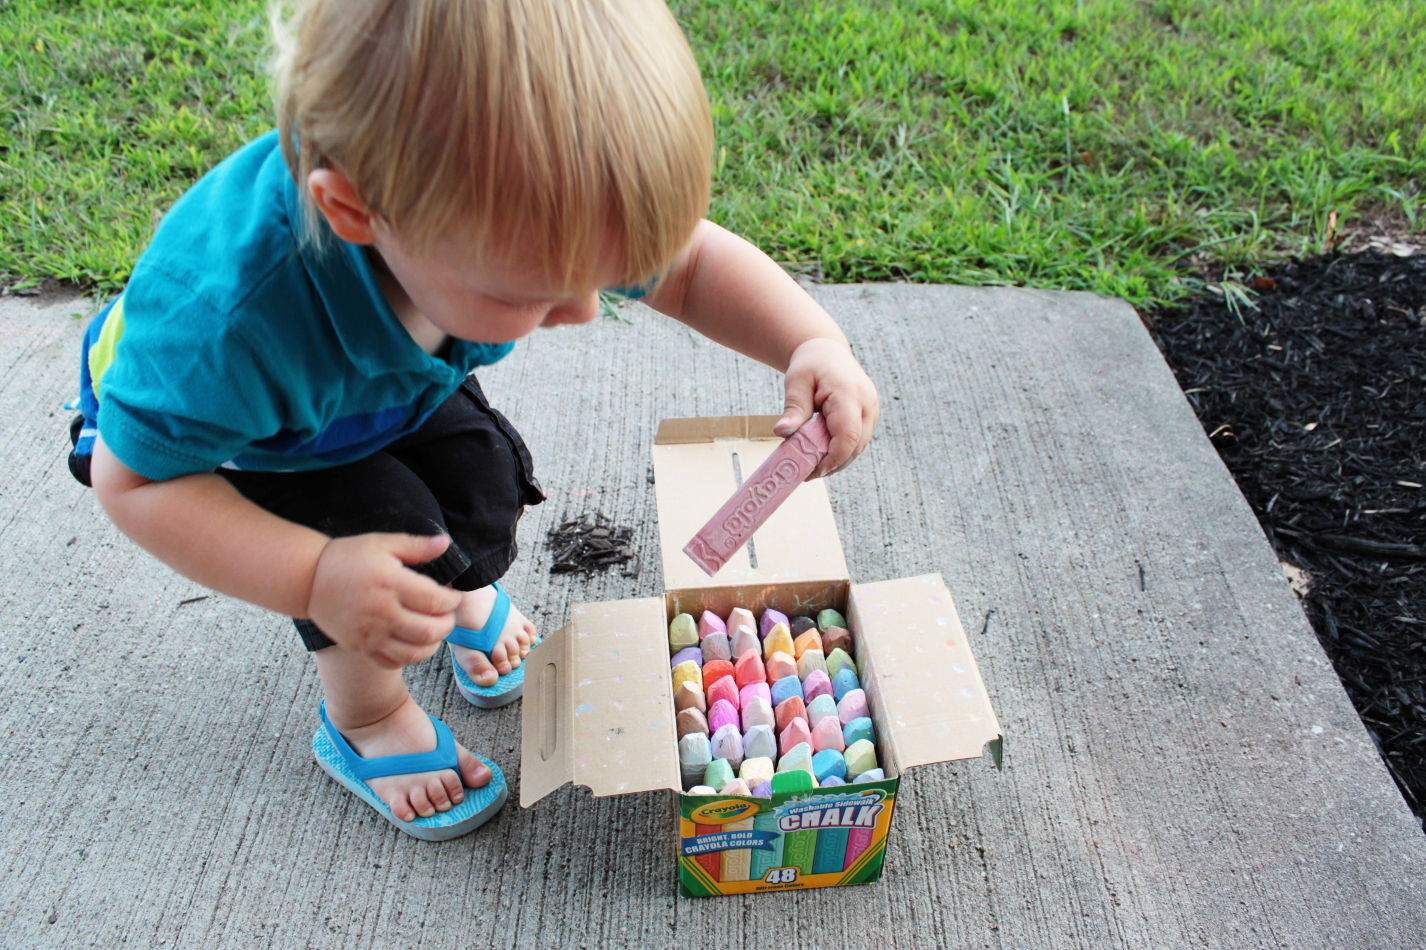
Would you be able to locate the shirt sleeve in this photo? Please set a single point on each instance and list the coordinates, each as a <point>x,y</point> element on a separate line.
<point>185,392</point>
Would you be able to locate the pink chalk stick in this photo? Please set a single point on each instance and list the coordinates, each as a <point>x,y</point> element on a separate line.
<point>749,670</point>
<point>779,665</point>
<point>710,623</point>
<point>725,689</point>
<point>746,694</point>
<point>722,714</point>
<point>759,496</point>
<point>817,684</point>
<point>796,732</point>
<point>769,619</point>
<point>827,734</point>
<point>739,618</point>
<point>852,706</point>
<point>858,840</point>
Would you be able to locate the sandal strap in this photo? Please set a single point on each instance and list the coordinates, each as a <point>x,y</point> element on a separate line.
<point>443,756</point>
<point>487,636</point>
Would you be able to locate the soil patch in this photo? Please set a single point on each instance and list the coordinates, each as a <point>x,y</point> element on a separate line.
<point>1316,402</point>
<point>582,546</point>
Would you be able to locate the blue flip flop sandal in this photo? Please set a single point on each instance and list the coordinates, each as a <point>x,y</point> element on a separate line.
<point>339,760</point>
<point>507,688</point>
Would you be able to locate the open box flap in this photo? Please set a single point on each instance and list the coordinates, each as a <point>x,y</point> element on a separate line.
<point>694,475</point>
<point>598,706</point>
<point>928,701</point>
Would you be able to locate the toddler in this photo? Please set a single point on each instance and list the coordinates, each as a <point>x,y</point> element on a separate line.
<point>280,404</point>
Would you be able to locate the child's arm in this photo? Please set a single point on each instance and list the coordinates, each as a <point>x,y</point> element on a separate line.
<point>356,589</point>
<point>733,293</point>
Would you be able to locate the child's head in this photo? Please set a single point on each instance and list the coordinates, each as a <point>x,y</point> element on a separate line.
<point>575,131</point>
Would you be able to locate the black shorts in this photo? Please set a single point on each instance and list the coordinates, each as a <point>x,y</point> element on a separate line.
<point>465,473</point>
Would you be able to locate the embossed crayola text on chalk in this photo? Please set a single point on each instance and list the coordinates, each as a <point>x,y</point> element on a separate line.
<point>752,504</point>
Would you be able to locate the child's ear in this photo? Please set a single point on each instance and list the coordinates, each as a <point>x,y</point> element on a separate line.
<point>340,204</point>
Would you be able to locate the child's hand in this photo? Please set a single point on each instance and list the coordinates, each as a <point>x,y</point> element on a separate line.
<point>824,376</point>
<point>367,599</point>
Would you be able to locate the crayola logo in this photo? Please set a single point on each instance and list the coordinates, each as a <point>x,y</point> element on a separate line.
<point>720,813</point>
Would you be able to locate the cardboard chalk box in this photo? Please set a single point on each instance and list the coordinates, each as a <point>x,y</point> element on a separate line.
<point>598,706</point>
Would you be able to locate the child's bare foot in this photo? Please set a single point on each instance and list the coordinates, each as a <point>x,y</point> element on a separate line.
<point>510,652</point>
<point>407,730</point>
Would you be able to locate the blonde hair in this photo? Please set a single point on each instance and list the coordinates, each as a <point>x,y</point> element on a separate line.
<point>544,121</point>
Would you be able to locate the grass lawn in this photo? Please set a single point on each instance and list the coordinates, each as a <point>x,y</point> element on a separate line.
<point>1095,145</point>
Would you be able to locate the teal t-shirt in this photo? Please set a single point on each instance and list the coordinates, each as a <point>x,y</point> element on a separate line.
<point>236,345</point>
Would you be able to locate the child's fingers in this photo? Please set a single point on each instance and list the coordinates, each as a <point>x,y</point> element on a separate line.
<point>844,424</point>
<point>796,403</point>
<point>418,593</point>
<point>415,548</point>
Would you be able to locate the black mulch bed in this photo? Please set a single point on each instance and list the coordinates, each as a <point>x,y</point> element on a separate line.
<point>582,546</point>
<point>1316,402</point>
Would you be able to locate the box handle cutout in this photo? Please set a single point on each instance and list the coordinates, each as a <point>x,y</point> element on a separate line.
<point>738,477</point>
<point>549,736</point>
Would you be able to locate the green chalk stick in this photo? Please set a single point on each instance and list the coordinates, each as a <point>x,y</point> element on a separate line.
<point>682,633</point>
<point>718,773</point>
<point>837,661</point>
<point>830,618</point>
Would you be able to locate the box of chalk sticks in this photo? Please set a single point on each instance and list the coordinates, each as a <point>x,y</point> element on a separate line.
<point>778,700</point>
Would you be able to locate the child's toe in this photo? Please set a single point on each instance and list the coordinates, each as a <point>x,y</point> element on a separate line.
<point>421,802</point>
<point>437,795</point>
<point>455,790</point>
<point>475,773</point>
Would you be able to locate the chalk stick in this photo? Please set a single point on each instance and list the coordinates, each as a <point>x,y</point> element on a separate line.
<point>801,625</point>
<point>742,617</point>
<point>779,665</point>
<point>710,861</point>
<point>816,684</point>
<point>778,639</point>
<point>827,734</point>
<point>694,754</point>
<point>736,864</point>
<point>752,691</point>
<point>768,619</point>
<point>713,672</point>
<point>758,712</point>
<point>852,706</point>
<point>797,733</point>
<point>765,859</point>
<point>829,762</point>
<point>702,790</point>
<point>759,743</point>
<point>749,669</point>
<point>857,730</point>
<point>690,720</point>
<point>799,757</point>
<point>861,757</point>
<point>858,840</point>
<point>710,623</point>
<point>715,646</point>
<point>871,775</point>
<point>832,780</point>
<point>788,710</point>
<point>831,618</point>
<point>787,687</point>
<point>837,638</point>
<point>799,850</point>
<point>718,773</point>
<point>763,790</point>
<point>759,496</point>
<point>821,708</point>
<point>744,640</point>
<point>727,743</point>
<point>810,640</point>
<point>791,781</point>
<point>838,660</point>
<point>831,850</point>
<point>725,690</point>
<point>689,696</point>
<point>809,662</point>
<point>843,683</point>
<point>687,672</point>
<point>682,633</point>
<point>687,655</point>
<point>720,714</point>
<point>755,770</point>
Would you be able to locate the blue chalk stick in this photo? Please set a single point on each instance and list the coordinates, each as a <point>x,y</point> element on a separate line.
<point>831,850</point>
<point>687,653</point>
<point>843,683</point>
<point>831,780</point>
<point>828,763</point>
<point>858,729</point>
<point>786,688</point>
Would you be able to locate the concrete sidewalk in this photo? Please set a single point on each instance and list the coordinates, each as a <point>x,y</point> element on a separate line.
<point>1182,767</point>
